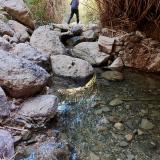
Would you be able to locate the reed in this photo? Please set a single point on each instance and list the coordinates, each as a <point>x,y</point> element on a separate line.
<point>129,14</point>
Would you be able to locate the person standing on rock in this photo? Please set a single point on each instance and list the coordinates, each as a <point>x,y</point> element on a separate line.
<point>74,10</point>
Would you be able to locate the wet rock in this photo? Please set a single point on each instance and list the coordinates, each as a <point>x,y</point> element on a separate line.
<point>123,144</point>
<point>4,44</point>
<point>6,145</point>
<point>4,105</point>
<point>5,29</point>
<point>89,35</point>
<point>116,102</point>
<point>63,108</point>
<point>93,156</point>
<point>21,78</point>
<point>106,44</point>
<point>119,126</point>
<point>146,124</point>
<point>24,50</point>
<point>40,109</point>
<point>140,132</point>
<point>75,40</point>
<point>19,11</point>
<point>117,64</point>
<point>47,150</point>
<point>89,51</point>
<point>129,137</point>
<point>102,110</point>
<point>19,29</point>
<point>45,40</point>
<point>77,30</point>
<point>70,67</point>
<point>113,76</point>
<point>130,157</point>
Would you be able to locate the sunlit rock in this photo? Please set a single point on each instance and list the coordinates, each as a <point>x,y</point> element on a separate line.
<point>70,67</point>
<point>89,51</point>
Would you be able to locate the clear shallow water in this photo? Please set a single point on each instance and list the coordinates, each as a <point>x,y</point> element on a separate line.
<point>89,125</point>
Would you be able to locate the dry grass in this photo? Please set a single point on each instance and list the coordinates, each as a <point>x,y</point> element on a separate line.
<point>129,14</point>
<point>45,11</point>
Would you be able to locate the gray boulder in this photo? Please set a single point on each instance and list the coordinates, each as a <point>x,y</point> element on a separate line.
<point>45,40</point>
<point>41,108</point>
<point>89,51</point>
<point>5,29</point>
<point>6,145</point>
<point>89,35</point>
<point>4,105</point>
<point>106,44</point>
<point>70,67</point>
<point>20,30</point>
<point>24,50</point>
<point>20,77</point>
<point>4,44</point>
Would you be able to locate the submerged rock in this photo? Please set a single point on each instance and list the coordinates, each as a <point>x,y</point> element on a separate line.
<point>6,145</point>
<point>113,75</point>
<point>89,51</point>
<point>45,40</point>
<point>24,50</point>
<point>70,67</point>
<point>146,124</point>
<point>40,109</point>
<point>20,77</point>
<point>116,102</point>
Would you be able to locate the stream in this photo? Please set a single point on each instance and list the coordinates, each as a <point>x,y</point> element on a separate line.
<point>88,123</point>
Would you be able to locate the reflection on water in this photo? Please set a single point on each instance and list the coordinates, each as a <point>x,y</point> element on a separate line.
<point>89,125</point>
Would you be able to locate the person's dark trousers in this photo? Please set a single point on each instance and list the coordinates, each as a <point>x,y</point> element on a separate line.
<point>74,11</point>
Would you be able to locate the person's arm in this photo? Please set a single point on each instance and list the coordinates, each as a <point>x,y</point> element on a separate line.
<point>71,2</point>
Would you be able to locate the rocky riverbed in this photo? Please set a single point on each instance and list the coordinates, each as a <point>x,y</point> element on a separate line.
<point>66,94</point>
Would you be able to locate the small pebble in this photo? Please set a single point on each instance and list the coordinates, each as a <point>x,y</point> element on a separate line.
<point>119,126</point>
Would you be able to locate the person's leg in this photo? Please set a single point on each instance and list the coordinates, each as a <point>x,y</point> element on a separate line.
<point>71,16</point>
<point>77,15</point>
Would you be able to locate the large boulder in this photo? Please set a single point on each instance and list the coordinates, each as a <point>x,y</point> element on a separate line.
<point>48,149</point>
<point>5,29</point>
<point>106,44</point>
<point>4,44</point>
<point>4,105</point>
<point>20,77</point>
<point>6,145</point>
<point>19,11</point>
<point>70,67</point>
<point>20,30</point>
<point>89,51</point>
<point>45,40</point>
<point>40,109</point>
<point>28,52</point>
